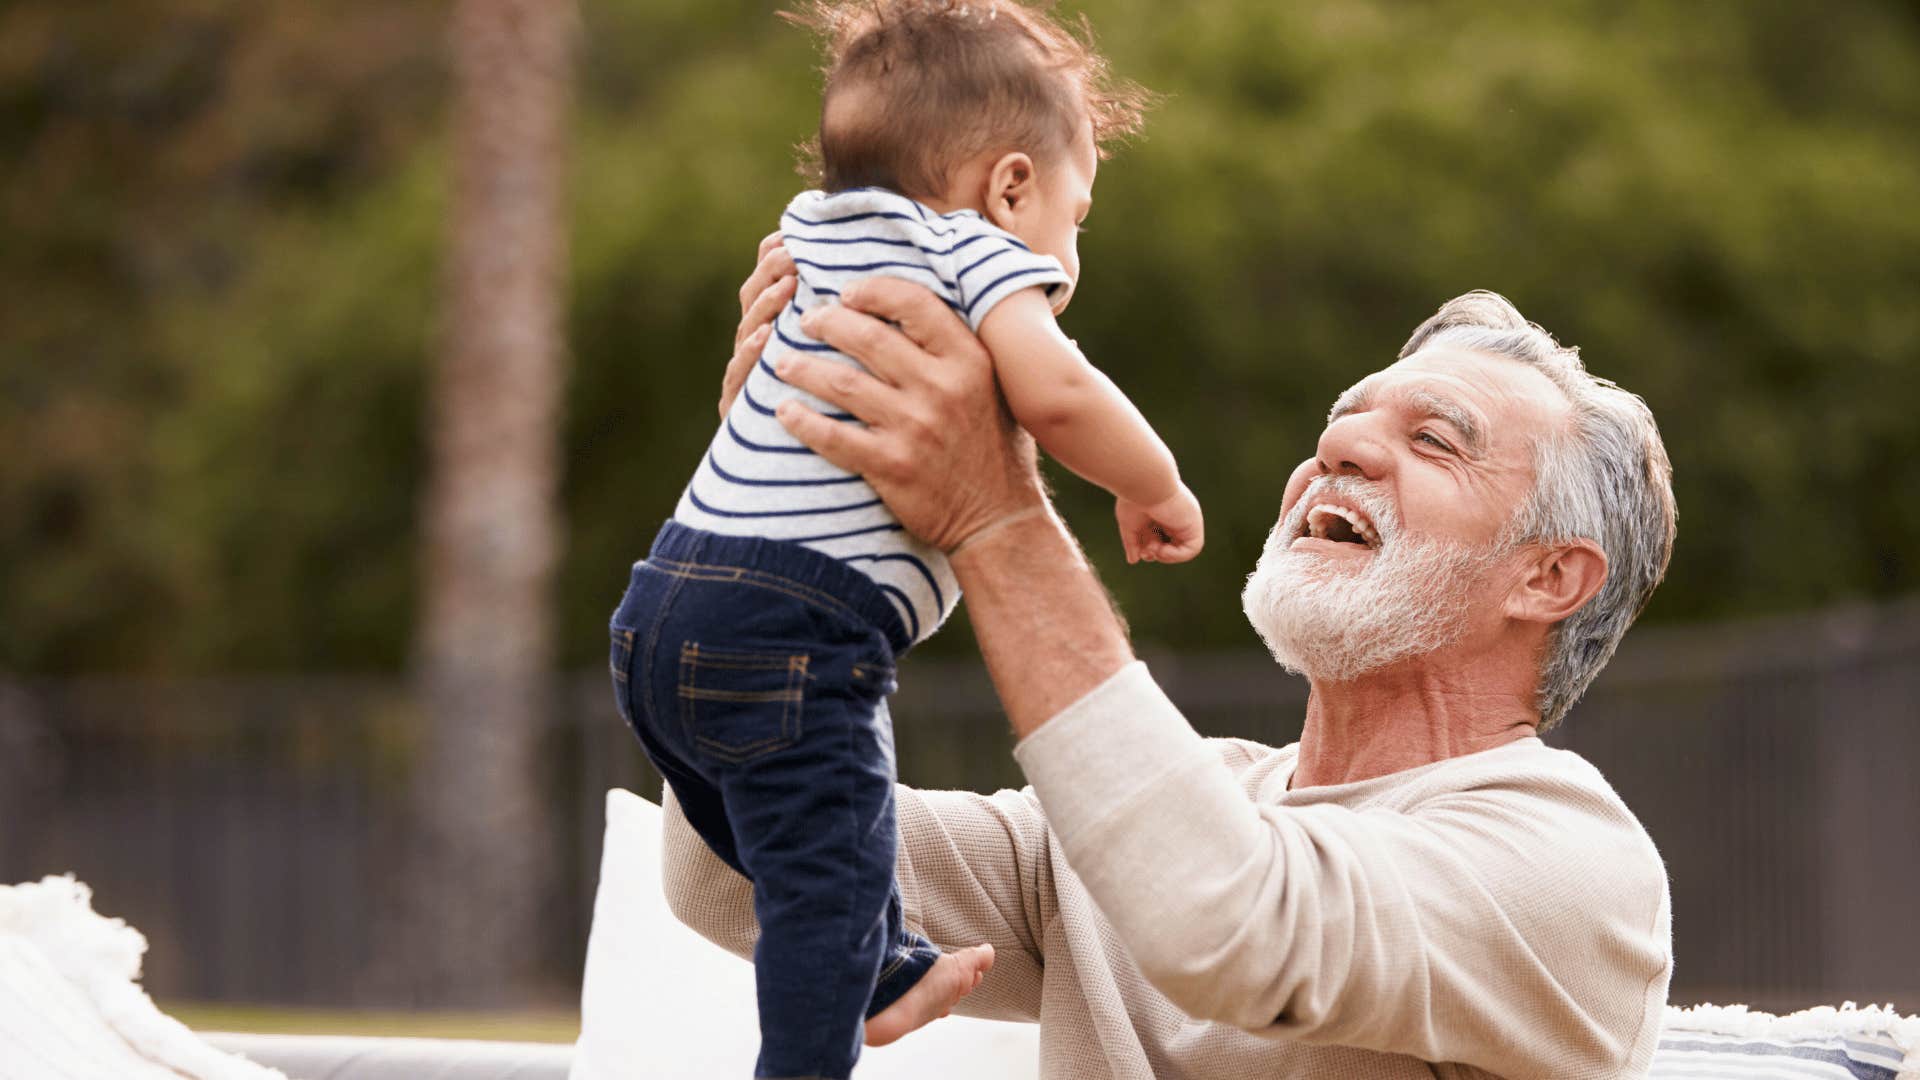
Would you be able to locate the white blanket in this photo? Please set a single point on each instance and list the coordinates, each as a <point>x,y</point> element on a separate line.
<point>71,1007</point>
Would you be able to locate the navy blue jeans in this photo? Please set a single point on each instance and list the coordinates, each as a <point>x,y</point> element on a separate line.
<point>755,673</point>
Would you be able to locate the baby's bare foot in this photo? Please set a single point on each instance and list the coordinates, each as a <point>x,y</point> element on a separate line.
<point>951,978</point>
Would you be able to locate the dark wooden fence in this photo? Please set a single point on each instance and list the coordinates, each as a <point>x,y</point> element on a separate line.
<point>250,827</point>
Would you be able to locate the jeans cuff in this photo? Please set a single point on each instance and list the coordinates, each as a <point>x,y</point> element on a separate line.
<point>907,965</point>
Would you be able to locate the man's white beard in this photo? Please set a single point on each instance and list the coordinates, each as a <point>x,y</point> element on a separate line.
<point>1333,623</point>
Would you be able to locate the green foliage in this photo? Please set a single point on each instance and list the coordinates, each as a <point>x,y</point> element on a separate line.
<point>223,219</point>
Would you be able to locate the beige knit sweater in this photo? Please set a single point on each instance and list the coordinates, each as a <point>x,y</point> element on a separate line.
<point>1165,907</point>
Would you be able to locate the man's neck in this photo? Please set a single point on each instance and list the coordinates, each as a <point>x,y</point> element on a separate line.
<point>1403,719</point>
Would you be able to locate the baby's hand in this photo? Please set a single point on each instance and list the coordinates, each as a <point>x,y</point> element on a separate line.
<point>1169,531</point>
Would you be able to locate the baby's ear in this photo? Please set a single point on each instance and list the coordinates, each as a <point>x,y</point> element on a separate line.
<point>1010,184</point>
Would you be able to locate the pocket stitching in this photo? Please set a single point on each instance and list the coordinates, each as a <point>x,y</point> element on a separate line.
<point>624,639</point>
<point>694,657</point>
<point>622,673</point>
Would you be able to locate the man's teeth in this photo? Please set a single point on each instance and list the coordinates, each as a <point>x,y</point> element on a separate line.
<point>1326,522</point>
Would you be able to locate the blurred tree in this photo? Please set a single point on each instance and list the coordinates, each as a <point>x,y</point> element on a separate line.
<point>491,528</point>
<point>221,222</point>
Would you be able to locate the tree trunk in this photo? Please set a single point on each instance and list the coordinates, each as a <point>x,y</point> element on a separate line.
<point>492,531</point>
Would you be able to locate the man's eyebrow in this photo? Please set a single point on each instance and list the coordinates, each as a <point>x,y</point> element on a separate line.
<point>1355,399</point>
<point>1452,412</point>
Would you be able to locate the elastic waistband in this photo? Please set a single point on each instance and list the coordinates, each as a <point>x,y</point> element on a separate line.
<point>840,587</point>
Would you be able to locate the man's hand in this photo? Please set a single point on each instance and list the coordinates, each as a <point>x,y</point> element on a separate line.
<point>939,446</point>
<point>767,290</point>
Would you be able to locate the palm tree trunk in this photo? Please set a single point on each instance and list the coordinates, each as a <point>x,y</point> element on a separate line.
<point>492,521</point>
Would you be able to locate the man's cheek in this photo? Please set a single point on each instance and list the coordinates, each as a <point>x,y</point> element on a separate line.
<point>1297,484</point>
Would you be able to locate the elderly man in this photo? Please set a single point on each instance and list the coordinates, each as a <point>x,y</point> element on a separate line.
<point>1419,887</point>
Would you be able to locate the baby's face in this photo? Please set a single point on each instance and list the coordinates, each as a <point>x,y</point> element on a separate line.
<point>1065,195</point>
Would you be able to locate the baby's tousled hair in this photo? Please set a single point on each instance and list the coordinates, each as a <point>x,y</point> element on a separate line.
<point>916,88</point>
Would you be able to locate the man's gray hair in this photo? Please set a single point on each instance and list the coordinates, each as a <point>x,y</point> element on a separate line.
<point>1604,477</point>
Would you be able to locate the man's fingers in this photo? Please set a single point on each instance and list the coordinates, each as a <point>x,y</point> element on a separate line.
<point>774,264</point>
<point>859,393</point>
<point>849,446</point>
<point>768,243</point>
<point>921,316</point>
<point>884,350</point>
<point>766,306</point>
<point>740,365</point>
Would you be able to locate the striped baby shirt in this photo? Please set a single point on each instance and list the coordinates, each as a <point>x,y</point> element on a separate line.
<point>758,480</point>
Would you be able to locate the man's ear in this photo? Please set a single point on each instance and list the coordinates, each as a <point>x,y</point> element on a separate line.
<point>1010,185</point>
<point>1559,580</point>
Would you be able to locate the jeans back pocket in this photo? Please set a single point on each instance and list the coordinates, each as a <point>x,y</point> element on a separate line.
<point>739,704</point>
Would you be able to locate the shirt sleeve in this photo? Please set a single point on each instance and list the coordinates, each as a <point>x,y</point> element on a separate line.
<point>1521,932</point>
<point>972,868</point>
<point>987,265</point>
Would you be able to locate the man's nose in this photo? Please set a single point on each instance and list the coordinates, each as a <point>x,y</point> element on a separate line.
<point>1354,446</point>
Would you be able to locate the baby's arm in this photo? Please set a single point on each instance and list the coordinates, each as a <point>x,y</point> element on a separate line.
<point>1076,413</point>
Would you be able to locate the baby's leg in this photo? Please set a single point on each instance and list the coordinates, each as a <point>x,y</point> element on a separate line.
<point>917,984</point>
<point>813,825</point>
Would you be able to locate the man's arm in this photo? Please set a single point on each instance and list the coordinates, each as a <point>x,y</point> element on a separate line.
<point>1519,925</point>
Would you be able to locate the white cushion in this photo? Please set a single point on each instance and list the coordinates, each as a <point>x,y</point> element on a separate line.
<point>659,1002</point>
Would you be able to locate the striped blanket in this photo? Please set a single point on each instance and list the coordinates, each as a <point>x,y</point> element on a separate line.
<point>1711,1042</point>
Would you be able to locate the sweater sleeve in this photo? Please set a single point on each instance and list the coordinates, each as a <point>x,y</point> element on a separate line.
<point>1513,928</point>
<point>972,868</point>
<point>703,892</point>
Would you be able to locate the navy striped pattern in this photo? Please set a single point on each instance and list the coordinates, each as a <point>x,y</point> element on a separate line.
<point>1778,1048</point>
<point>757,480</point>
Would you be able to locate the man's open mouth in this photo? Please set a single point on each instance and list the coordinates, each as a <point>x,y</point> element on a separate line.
<point>1340,524</point>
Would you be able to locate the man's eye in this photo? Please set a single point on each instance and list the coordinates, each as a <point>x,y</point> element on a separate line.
<point>1434,439</point>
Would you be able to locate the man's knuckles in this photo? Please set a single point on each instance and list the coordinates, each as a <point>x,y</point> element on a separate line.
<point>827,438</point>
<point>894,465</point>
<point>920,426</point>
<point>851,333</point>
<point>837,383</point>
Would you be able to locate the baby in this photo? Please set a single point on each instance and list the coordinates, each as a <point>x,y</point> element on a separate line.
<point>756,644</point>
